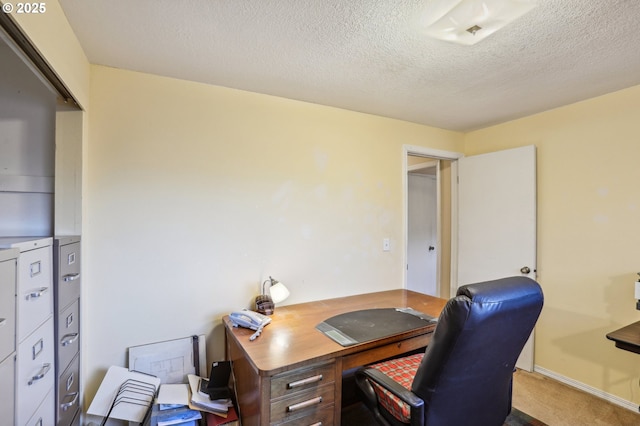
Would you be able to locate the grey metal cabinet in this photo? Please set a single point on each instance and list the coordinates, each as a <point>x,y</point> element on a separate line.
<point>35,345</point>
<point>8,265</point>
<point>67,289</point>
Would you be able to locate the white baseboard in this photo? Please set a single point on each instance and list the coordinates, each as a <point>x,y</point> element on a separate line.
<point>588,389</point>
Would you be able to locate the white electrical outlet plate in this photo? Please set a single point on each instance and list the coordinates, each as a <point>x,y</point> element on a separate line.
<point>386,245</point>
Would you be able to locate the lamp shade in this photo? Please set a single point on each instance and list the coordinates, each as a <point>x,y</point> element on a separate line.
<point>278,292</point>
<point>469,21</point>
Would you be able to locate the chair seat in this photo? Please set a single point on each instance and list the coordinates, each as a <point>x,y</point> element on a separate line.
<point>402,371</point>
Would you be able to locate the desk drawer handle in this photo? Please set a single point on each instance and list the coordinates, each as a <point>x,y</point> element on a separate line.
<point>43,372</point>
<point>70,277</point>
<point>71,403</point>
<point>36,293</point>
<point>303,382</point>
<point>68,339</point>
<point>304,404</point>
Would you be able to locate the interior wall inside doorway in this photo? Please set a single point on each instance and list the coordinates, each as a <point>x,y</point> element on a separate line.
<point>444,220</point>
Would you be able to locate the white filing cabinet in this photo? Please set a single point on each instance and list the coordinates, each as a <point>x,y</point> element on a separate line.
<point>8,263</point>
<point>35,367</point>
<point>66,272</point>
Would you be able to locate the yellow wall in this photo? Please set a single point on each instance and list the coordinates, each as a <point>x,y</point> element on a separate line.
<point>196,193</point>
<point>588,233</point>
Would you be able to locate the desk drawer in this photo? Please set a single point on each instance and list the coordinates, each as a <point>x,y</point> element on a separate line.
<point>305,404</point>
<point>321,417</point>
<point>303,379</point>
<point>387,351</point>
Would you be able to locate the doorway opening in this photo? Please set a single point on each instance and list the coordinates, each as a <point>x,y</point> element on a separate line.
<point>429,198</point>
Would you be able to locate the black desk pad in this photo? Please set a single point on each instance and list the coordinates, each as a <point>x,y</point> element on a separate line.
<point>370,324</point>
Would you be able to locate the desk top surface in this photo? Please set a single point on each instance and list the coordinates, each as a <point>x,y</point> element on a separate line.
<point>627,338</point>
<point>292,338</point>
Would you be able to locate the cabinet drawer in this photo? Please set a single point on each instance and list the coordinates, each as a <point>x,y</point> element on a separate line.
<point>69,393</point>
<point>67,274</point>
<point>35,292</point>
<point>321,417</point>
<point>35,370</point>
<point>306,403</point>
<point>45,414</point>
<point>7,382</point>
<point>68,335</point>
<point>7,307</point>
<point>303,379</point>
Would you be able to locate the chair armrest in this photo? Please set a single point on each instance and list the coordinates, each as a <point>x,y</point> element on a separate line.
<point>416,404</point>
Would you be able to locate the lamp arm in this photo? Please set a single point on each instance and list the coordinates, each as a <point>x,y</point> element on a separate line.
<point>270,280</point>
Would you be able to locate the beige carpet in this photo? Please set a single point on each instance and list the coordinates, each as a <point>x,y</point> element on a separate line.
<point>557,404</point>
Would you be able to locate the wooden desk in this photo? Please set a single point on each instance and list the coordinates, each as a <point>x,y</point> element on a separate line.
<point>292,374</point>
<point>627,338</point>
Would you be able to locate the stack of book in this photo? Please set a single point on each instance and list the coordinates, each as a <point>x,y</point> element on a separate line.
<point>172,407</point>
<point>165,415</point>
<point>218,411</point>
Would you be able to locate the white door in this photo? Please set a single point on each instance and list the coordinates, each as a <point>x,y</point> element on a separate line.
<point>422,234</point>
<point>497,220</point>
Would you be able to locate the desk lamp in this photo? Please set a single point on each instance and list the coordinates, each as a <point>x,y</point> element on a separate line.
<point>266,303</point>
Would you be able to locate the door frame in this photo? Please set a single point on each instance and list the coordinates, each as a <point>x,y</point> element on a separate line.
<point>436,154</point>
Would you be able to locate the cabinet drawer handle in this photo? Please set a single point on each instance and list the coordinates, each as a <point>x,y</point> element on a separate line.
<point>68,339</point>
<point>36,293</point>
<point>70,277</point>
<point>65,406</point>
<point>303,382</point>
<point>43,372</point>
<point>3,321</point>
<point>317,424</point>
<point>304,404</point>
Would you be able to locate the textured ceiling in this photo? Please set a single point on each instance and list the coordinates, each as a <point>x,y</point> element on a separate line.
<point>372,55</point>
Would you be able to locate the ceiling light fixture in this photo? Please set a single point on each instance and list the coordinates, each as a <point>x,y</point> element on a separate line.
<point>469,21</point>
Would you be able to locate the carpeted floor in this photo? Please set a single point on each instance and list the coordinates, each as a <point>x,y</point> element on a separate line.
<point>558,404</point>
<point>518,418</point>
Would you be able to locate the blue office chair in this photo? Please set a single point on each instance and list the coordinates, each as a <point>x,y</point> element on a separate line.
<point>465,375</point>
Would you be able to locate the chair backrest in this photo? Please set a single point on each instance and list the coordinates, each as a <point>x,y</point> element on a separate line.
<point>466,374</point>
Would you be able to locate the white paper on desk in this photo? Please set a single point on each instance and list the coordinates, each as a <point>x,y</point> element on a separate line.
<point>171,394</point>
<point>132,401</point>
